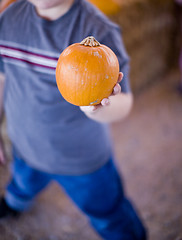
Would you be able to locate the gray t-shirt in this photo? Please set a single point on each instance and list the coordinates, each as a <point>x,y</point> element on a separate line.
<point>46,131</point>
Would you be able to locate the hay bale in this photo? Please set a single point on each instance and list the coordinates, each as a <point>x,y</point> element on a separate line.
<point>147,28</point>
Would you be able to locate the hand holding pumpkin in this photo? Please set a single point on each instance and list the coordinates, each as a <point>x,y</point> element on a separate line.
<point>87,75</point>
<point>105,101</point>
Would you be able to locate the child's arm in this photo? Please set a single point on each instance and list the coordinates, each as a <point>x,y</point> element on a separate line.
<point>115,108</point>
<point>2,154</point>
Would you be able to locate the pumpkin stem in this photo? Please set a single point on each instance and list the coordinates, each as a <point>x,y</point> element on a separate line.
<point>90,41</point>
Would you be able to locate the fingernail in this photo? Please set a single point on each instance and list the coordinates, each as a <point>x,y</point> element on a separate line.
<point>116,89</point>
<point>107,102</point>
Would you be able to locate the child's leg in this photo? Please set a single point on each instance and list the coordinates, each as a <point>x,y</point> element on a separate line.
<point>100,196</point>
<point>25,184</point>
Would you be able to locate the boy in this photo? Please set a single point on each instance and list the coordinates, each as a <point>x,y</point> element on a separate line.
<point>52,139</point>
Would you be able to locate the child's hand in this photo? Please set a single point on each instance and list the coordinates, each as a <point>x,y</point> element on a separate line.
<point>2,153</point>
<point>105,101</point>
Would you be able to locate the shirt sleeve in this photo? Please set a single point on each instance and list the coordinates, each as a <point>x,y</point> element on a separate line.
<point>113,39</point>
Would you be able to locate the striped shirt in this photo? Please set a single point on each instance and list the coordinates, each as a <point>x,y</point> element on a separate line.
<point>19,55</point>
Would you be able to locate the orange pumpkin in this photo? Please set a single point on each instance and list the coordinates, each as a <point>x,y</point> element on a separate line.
<point>86,72</point>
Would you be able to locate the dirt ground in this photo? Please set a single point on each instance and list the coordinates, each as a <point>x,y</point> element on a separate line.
<point>149,155</point>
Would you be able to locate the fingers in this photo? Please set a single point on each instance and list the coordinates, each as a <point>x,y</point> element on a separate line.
<point>117,89</point>
<point>92,109</point>
<point>120,77</point>
<point>105,102</point>
<point>88,109</point>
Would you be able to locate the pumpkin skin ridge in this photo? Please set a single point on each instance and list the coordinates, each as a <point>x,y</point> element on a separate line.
<point>108,91</point>
<point>84,95</point>
<point>97,52</point>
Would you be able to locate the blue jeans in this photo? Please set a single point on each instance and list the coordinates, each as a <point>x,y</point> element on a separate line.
<point>99,195</point>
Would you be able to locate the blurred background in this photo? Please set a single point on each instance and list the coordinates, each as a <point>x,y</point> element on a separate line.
<point>148,144</point>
